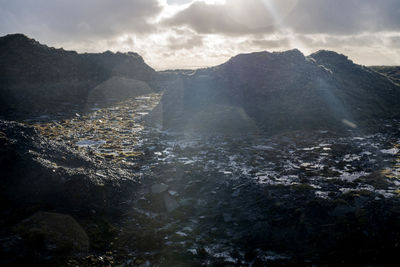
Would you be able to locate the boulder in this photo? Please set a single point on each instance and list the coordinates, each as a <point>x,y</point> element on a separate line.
<point>159,188</point>
<point>53,234</point>
<point>170,203</point>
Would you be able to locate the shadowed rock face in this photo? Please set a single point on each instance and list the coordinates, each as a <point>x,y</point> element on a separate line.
<point>39,79</point>
<point>284,91</point>
<point>392,72</point>
<point>116,89</point>
<point>59,234</point>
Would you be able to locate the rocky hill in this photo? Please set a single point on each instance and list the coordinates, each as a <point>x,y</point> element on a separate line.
<point>37,79</point>
<point>392,72</point>
<point>279,91</point>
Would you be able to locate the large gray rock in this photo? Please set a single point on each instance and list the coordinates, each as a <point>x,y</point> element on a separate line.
<point>54,233</point>
<point>159,188</point>
<point>170,203</point>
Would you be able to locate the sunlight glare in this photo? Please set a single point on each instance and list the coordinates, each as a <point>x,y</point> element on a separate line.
<point>278,10</point>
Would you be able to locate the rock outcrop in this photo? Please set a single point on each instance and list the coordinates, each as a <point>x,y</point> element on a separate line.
<point>37,79</point>
<point>56,233</point>
<point>283,91</point>
<point>38,172</point>
<point>392,72</point>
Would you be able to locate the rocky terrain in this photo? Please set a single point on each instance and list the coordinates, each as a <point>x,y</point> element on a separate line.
<point>54,167</point>
<point>156,198</point>
<point>270,159</point>
<point>296,198</point>
<point>392,72</point>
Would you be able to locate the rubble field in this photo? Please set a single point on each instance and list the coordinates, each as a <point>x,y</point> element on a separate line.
<point>293,198</point>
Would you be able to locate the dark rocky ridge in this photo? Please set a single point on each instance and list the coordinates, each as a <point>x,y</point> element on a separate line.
<point>37,79</point>
<point>282,91</point>
<point>392,72</point>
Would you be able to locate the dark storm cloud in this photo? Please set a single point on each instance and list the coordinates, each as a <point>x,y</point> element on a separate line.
<point>343,40</point>
<point>345,16</point>
<point>231,18</point>
<point>302,16</point>
<point>85,18</point>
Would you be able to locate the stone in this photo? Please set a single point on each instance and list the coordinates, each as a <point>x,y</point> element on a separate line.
<point>227,217</point>
<point>54,233</point>
<point>342,210</point>
<point>159,188</point>
<point>170,203</point>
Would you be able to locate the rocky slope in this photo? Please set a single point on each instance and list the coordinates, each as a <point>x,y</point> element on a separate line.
<point>299,198</point>
<point>38,171</point>
<point>84,168</point>
<point>40,80</point>
<point>280,91</point>
<point>392,72</point>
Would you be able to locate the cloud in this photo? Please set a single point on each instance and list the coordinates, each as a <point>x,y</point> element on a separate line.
<point>88,19</point>
<point>190,42</point>
<point>268,43</point>
<point>194,33</point>
<point>234,17</point>
<point>344,16</point>
<point>301,16</point>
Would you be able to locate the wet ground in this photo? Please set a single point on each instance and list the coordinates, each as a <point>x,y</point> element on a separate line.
<point>299,197</point>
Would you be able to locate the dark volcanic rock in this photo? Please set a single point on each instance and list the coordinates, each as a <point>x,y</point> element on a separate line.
<point>36,79</point>
<point>56,232</point>
<point>392,72</point>
<point>283,91</point>
<point>38,172</point>
<point>363,93</point>
<point>44,239</point>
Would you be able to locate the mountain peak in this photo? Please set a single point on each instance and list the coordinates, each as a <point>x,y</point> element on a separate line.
<point>291,53</point>
<point>21,41</point>
<point>15,36</point>
<point>327,57</point>
<point>256,58</point>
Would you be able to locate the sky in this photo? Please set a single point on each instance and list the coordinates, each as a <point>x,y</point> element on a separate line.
<point>171,34</point>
